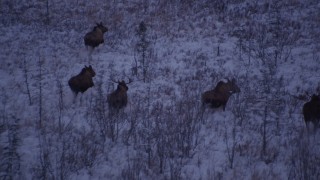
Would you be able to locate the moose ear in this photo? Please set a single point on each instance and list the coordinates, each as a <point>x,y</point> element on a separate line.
<point>90,66</point>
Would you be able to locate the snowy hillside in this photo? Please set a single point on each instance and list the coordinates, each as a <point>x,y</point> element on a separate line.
<point>271,48</point>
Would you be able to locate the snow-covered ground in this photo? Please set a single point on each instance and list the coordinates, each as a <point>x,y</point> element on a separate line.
<point>271,49</point>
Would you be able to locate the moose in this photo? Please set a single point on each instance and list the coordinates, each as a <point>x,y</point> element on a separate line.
<point>311,111</point>
<point>82,81</point>
<point>119,98</point>
<point>219,96</point>
<point>95,37</point>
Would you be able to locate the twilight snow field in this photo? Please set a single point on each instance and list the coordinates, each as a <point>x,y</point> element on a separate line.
<point>141,114</point>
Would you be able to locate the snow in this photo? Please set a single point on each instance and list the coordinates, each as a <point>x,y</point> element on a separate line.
<point>163,132</point>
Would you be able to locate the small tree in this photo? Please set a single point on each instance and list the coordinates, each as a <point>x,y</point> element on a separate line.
<point>9,156</point>
<point>26,78</point>
<point>40,76</point>
<point>143,50</point>
<point>47,13</point>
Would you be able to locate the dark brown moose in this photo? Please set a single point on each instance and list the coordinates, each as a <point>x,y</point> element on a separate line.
<point>82,81</point>
<point>95,37</point>
<point>219,96</point>
<point>311,111</point>
<point>119,98</point>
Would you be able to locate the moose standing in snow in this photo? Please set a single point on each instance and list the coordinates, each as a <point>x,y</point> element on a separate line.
<point>95,37</point>
<point>82,81</point>
<point>219,96</point>
<point>311,111</point>
<point>118,98</point>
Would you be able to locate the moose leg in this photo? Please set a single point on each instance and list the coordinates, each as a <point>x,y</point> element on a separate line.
<point>201,111</point>
<point>307,126</point>
<point>74,97</point>
<point>224,106</point>
<point>90,51</point>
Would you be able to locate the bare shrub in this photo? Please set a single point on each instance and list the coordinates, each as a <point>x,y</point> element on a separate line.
<point>305,160</point>
<point>134,169</point>
<point>62,154</point>
<point>9,154</point>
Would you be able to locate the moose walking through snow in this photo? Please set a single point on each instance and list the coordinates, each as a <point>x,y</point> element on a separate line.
<point>219,96</point>
<point>95,37</point>
<point>82,81</point>
<point>311,111</point>
<point>119,98</point>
